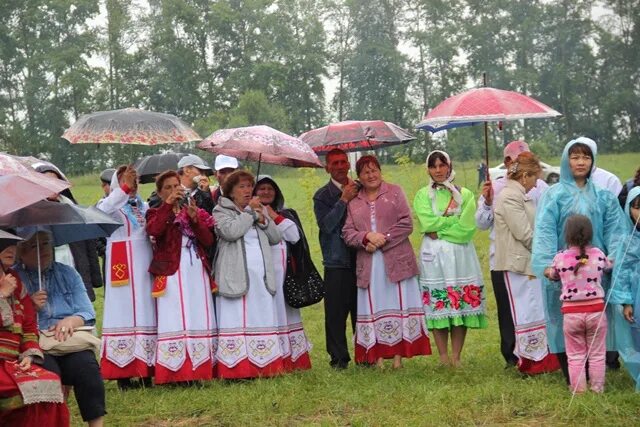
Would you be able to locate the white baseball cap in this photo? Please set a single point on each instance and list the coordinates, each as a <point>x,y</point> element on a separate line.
<point>193,160</point>
<point>225,162</point>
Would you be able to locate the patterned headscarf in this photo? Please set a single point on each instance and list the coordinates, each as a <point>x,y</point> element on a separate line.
<point>447,183</point>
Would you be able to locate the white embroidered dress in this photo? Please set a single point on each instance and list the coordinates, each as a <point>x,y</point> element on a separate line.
<point>248,342</point>
<point>390,317</point>
<point>187,335</point>
<point>129,329</point>
<point>294,344</point>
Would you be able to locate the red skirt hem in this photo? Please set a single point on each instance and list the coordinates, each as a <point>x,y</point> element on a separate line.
<point>37,415</point>
<point>165,375</point>
<point>549,364</point>
<point>302,363</point>
<point>420,347</point>
<point>246,369</point>
<point>135,369</point>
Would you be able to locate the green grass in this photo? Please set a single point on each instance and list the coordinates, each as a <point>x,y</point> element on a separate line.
<point>423,393</point>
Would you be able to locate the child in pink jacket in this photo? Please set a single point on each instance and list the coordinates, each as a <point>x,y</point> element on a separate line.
<point>580,268</point>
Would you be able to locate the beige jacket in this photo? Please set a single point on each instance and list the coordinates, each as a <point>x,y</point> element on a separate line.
<point>514,216</point>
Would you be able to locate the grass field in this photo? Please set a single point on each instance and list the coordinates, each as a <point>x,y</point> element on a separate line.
<point>422,393</point>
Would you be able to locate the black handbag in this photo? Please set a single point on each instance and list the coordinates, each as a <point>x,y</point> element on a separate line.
<point>303,285</point>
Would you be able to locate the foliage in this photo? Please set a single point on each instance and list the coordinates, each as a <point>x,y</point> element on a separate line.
<point>313,62</point>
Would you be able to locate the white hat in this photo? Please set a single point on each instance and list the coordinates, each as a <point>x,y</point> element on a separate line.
<point>224,162</point>
<point>193,160</point>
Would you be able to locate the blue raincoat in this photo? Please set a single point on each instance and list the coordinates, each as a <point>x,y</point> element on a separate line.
<point>625,290</point>
<point>557,204</point>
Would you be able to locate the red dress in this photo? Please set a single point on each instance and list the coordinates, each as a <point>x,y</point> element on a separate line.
<point>33,397</point>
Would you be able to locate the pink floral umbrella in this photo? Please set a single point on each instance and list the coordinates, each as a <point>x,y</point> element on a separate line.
<point>21,186</point>
<point>261,144</point>
<point>129,126</point>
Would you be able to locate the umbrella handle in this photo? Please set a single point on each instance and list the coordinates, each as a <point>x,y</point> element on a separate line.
<point>38,255</point>
<point>259,161</point>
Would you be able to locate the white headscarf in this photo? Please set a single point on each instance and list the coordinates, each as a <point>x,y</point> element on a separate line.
<point>448,184</point>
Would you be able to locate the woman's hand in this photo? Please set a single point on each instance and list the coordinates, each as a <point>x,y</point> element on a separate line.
<point>272,214</point>
<point>130,177</point>
<point>175,196</point>
<point>257,207</point>
<point>551,273</point>
<point>192,211</point>
<point>25,363</point>
<point>64,328</point>
<point>8,284</point>
<point>371,248</point>
<point>377,239</point>
<point>39,299</point>
<point>627,312</point>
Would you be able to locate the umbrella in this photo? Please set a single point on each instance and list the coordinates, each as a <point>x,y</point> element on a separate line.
<point>67,222</point>
<point>484,105</point>
<point>261,144</point>
<point>129,126</point>
<point>150,166</point>
<point>22,186</point>
<point>356,136</point>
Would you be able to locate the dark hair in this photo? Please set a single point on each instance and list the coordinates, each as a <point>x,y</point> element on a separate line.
<point>435,156</point>
<point>334,152</point>
<point>526,162</point>
<point>578,231</point>
<point>160,179</point>
<point>234,179</point>
<point>366,160</point>
<point>581,148</point>
<point>636,178</point>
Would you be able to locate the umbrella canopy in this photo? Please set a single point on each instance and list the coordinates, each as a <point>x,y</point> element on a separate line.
<point>129,126</point>
<point>484,104</point>
<point>151,166</point>
<point>67,222</point>
<point>22,186</point>
<point>261,144</point>
<point>356,136</point>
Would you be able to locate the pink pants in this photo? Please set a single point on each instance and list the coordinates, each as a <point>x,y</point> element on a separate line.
<point>579,333</point>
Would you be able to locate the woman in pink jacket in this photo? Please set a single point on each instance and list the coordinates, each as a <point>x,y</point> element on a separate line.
<point>390,315</point>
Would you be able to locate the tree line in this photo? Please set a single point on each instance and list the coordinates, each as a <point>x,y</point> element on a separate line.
<point>230,63</point>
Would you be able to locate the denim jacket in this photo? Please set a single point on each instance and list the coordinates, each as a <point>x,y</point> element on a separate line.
<point>331,213</point>
<point>66,294</point>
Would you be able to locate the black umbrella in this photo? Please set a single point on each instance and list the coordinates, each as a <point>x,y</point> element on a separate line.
<point>151,166</point>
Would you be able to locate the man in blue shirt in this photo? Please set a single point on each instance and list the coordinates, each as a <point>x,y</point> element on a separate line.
<point>330,207</point>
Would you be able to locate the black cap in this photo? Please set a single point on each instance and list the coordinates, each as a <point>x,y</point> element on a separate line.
<point>107,175</point>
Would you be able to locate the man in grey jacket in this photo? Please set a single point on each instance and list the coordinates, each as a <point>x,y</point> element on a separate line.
<point>330,207</point>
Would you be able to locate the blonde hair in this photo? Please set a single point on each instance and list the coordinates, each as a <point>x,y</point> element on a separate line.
<point>525,163</point>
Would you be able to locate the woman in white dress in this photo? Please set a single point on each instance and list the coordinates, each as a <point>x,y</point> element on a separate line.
<point>390,317</point>
<point>248,343</point>
<point>129,321</point>
<point>182,285</point>
<point>293,341</point>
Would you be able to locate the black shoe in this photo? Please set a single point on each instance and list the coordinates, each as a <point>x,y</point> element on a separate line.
<point>125,384</point>
<point>339,366</point>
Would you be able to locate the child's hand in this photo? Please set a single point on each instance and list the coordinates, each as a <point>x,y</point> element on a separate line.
<point>627,312</point>
<point>551,273</point>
